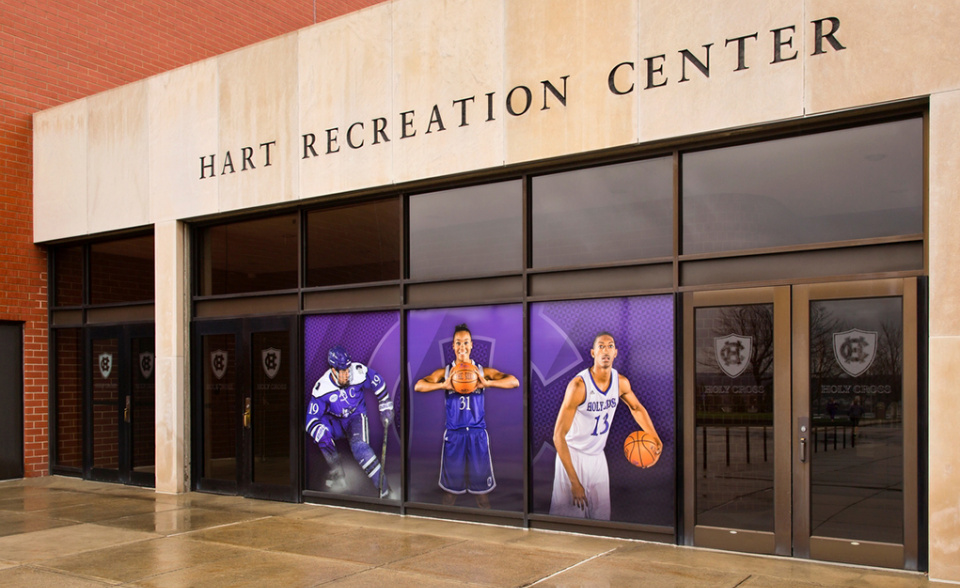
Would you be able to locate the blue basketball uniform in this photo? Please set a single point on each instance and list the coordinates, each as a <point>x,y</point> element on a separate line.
<point>465,462</point>
<point>336,413</point>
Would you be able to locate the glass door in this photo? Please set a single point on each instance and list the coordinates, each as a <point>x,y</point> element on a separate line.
<point>121,414</point>
<point>245,399</point>
<point>800,420</point>
<point>855,401</point>
<point>737,420</point>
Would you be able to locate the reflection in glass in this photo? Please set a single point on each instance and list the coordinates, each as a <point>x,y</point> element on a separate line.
<point>219,359</point>
<point>466,231</point>
<point>270,406</point>
<point>603,214</point>
<point>142,404</point>
<point>122,271</point>
<point>69,398</point>
<point>249,256</point>
<point>68,276</point>
<point>734,417</point>
<point>105,372</point>
<point>854,183</point>
<point>856,396</point>
<point>353,244</point>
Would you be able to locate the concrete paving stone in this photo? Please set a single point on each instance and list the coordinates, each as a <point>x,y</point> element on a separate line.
<point>59,542</point>
<point>265,532</point>
<point>256,569</point>
<point>605,572</point>
<point>488,563</point>
<point>31,577</point>
<point>397,579</point>
<point>362,545</point>
<point>583,545</point>
<point>15,523</point>
<point>179,520</point>
<point>107,508</point>
<point>45,500</point>
<point>136,561</point>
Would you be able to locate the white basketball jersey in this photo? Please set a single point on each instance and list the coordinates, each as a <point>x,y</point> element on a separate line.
<point>591,424</point>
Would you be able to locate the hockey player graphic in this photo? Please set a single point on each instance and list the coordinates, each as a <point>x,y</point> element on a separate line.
<point>581,485</point>
<point>337,411</point>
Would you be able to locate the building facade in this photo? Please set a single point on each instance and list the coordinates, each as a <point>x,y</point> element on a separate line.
<point>56,53</point>
<point>744,210</point>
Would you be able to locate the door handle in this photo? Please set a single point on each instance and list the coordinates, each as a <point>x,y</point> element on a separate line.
<point>803,427</point>
<point>126,411</point>
<point>247,414</point>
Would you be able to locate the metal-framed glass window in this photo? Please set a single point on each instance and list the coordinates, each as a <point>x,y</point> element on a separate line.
<point>857,183</point>
<point>122,270</point>
<point>354,243</point>
<point>607,214</point>
<point>249,256</point>
<point>467,231</point>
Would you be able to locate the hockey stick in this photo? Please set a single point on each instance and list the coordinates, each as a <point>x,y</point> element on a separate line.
<point>383,461</point>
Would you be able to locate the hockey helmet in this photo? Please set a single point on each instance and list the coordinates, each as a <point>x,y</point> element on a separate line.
<point>338,358</point>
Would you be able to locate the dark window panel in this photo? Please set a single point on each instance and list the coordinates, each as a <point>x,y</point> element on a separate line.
<point>122,271</point>
<point>467,231</point>
<point>354,244</point>
<point>856,393</point>
<point>605,214</point>
<point>250,256</point>
<point>857,183</point>
<point>69,398</point>
<point>68,276</point>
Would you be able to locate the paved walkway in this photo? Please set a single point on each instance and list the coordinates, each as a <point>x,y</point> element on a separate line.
<point>67,533</point>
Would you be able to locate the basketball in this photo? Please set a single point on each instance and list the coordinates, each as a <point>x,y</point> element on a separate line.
<point>640,449</point>
<point>464,378</point>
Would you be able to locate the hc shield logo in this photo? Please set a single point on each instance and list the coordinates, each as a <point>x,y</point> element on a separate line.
<point>855,350</point>
<point>105,363</point>
<point>146,364</point>
<point>271,361</point>
<point>218,363</point>
<point>733,353</point>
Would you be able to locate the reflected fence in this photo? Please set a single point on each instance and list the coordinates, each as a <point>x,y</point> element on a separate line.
<point>744,444</point>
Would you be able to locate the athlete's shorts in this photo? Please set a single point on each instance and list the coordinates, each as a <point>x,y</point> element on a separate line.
<point>593,474</point>
<point>355,428</point>
<point>465,463</point>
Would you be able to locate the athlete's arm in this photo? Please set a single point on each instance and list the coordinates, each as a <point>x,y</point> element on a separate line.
<point>574,396</point>
<point>379,388</point>
<point>639,413</point>
<point>432,382</point>
<point>491,378</point>
<point>315,410</point>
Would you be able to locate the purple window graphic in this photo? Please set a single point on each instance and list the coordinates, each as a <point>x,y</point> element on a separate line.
<point>351,381</point>
<point>561,337</point>
<point>447,463</point>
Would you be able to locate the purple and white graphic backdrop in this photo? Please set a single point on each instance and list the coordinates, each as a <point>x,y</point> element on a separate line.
<point>497,333</point>
<point>373,339</point>
<point>561,335</point>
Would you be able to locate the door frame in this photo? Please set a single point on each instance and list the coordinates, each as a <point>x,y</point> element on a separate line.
<point>243,330</point>
<point>11,403</point>
<point>792,533</point>
<point>904,556</point>
<point>779,541</point>
<point>124,334</point>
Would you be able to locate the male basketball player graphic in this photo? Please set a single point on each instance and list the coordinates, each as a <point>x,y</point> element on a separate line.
<point>581,482</point>
<point>465,463</point>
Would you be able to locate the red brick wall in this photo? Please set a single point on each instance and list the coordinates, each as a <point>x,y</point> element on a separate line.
<point>55,51</point>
